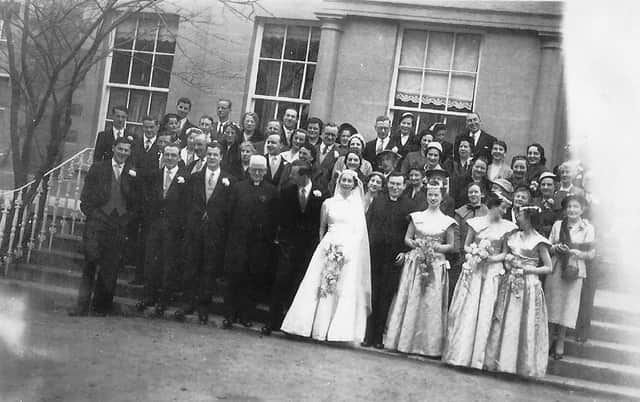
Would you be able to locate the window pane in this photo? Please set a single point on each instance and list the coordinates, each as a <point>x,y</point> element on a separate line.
<point>162,71</point>
<point>141,70</point>
<point>296,46</point>
<point>120,67</point>
<point>413,44</point>
<point>117,97</point>
<point>308,82</point>
<point>267,80</point>
<point>434,91</point>
<point>158,105</point>
<point>167,35</point>
<point>466,53</point>
<point>461,93</point>
<point>291,80</point>
<point>272,39</point>
<point>455,125</point>
<point>125,33</point>
<point>408,89</point>
<point>314,46</point>
<point>138,104</point>
<point>265,109</point>
<point>146,37</point>
<point>439,50</point>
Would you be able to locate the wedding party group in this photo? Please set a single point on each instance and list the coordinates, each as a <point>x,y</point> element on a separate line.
<point>405,242</point>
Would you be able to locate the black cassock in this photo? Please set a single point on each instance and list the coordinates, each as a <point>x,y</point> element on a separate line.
<point>250,245</point>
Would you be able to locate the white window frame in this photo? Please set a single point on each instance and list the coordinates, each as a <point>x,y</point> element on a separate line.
<point>391,109</point>
<point>106,85</point>
<point>2,37</point>
<point>253,77</point>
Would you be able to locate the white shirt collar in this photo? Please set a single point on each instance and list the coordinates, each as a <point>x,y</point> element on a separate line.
<point>172,172</point>
<point>152,140</point>
<point>307,188</point>
<point>115,164</point>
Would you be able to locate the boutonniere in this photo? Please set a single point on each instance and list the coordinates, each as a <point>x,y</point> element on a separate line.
<point>336,154</point>
<point>317,193</point>
<point>225,182</point>
<point>130,138</point>
<point>132,173</point>
<point>180,180</point>
<point>395,149</point>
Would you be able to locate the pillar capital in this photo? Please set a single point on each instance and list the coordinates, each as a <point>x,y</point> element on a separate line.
<point>330,21</point>
<point>550,40</point>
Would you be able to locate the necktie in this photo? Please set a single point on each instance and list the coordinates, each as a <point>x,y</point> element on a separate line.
<point>189,158</point>
<point>117,169</point>
<point>274,167</point>
<point>379,147</point>
<point>303,199</point>
<point>197,167</point>
<point>324,149</point>
<point>147,145</point>
<point>167,183</point>
<point>211,185</point>
<point>160,164</point>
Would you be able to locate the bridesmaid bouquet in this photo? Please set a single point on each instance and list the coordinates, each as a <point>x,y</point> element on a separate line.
<point>332,269</point>
<point>475,254</point>
<point>425,258</point>
<point>517,275</point>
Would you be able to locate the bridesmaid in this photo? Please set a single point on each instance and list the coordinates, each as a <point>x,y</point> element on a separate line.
<point>418,314</point>
<point>474,297</point>
<point>518,340</point>
<point>572,242</point>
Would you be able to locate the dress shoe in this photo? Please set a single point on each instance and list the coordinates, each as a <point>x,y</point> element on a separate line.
<point>365,344</point>
<point>227,324</point>
<point>266,330</point>
<point>159,310</point>
<point>179,315</point>
<point>378,346</point>
<point>143,304</point>
<point>246,323</point>
<point>98,313</point>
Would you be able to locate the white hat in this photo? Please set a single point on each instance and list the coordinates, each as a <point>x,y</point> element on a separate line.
<point>436,145</point>
<point>257,162</point>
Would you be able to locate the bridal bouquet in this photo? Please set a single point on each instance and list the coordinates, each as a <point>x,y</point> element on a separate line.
<point>517,275</point>
<point>475,254</point>
<point>425,258</point>
<point>334,256</point>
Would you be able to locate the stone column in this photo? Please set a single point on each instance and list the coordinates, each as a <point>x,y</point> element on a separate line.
<point>325,75</point>
<point>545,104</point>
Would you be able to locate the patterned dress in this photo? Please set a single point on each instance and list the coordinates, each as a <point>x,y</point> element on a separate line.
<point>418,314</point>
<point>519,338</point>
<point>474,297</point>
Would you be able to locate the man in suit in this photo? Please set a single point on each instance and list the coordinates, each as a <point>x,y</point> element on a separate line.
<point>481,141</point>
<point>387,221</point>
<point>297,236</point>
<point>109,199</point>
<point>328,152</point>
<point>164,209</point>
<point>252,226</point>
<point>200,159</point>
<point>223,111</point>
<point>206,236</point>
<point>277,166</point>
<point>183,107</point>
<point>104,142</point>
<point>382,142</point>
<point>289,125</point>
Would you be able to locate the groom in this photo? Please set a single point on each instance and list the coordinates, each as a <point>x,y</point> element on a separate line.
<point>387,221</point>
<point>298,228</point>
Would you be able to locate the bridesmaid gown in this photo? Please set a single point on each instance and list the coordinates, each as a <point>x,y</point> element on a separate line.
<point>417,318</point>
<point>519,338</point>
<point>474,297</point>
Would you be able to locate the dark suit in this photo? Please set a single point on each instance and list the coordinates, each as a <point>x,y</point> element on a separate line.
<point>298,232</point>
<point>104,144</point>
<point>387,223</point>
<point>327,162</point>
<point>412,144</point>
<point>482,148</point>
<point>281,174</point>
<point>206,237</point>
<point>252,227</point>
<point>369,152</point>
<point>104,234</point>
<point>189,167</point>
<point>166,222</point>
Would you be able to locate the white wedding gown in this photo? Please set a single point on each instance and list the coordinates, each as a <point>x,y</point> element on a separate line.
<point>341,315</point>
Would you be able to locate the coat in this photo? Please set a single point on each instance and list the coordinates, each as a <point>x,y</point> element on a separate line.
<point>104,144</point>
<point>97,188</point>
<point>482,148</point>
<point>173,205</point>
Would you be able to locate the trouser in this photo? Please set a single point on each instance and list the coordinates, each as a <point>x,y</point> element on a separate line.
<point>198,271</point>
<point>136,247</point>
<point>162,261</point>
<point>239,299</point>
<point>290,269</point>
<point>104,239</point>
<point>583,323</point>
<point>385,279</point>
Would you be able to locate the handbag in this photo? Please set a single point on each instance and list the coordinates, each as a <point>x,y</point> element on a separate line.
<point>570,272</point>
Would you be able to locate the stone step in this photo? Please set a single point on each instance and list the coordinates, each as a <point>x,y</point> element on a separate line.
<point>615,333</point>
<point>596,390</point>
<point>604,351</point>
<point>67,242</point>
<point>595,371</point>
<point>71,260</point>
<point>68,278</point>
<point>616,315</point>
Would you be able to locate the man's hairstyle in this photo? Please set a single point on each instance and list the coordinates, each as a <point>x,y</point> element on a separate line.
<point>315,120</point>
<point>330,125</point>
<point>225,100</point>
<point>304,167</point>
<point>121,108</point>
<point>215,144</point>
<point>301,130</point>
<point>291,108</point>
<point>170,116</point>
<point>149,118</point>
<point>476,113</point>
<point>165,133</point>
<point>382,118</point>
<point>248,144</point>
<point>522,189</point>
<point>122,140</point>
<point>171,145</point>
<point>396,173</point>
<point>184,100</point>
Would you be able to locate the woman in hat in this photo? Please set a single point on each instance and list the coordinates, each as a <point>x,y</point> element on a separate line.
<point>573,243</point>
<point>460,165</point>
<point>387,161</point>
<point>334,298</point>
<point>375,181</point>
<point>404,138</point>
<point>478,174</point>
<point>519,167</point>
<point>498,169</point>
<point>417,158</point>
<point>356,143</point>
<point>476,291</point>
<point>518,341</point>
<point>536,161</point>
<point>415,190</point>
<point>353,161</point>
<point>545,199</point>
<point>417,317</point>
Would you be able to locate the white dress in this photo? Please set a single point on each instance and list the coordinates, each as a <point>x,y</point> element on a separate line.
<point>341,314</point>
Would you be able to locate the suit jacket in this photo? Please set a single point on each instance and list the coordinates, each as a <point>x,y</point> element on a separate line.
<point>97,188</point>
<point>156,206</point>
<point>329,161</point>
<point>104,144</point>
<point>193,163</point>
<point>387,223</point>
<point>146,162</point>
<point>482,148</point>
<point>297,227</point>
<point>281,175</point>
<point>369,152</point>
<point>412,144</point>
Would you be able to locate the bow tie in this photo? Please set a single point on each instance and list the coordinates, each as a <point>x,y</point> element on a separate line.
<point>473,207</point>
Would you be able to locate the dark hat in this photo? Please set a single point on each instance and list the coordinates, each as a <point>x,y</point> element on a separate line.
<point>347,126</point>
<point>504,185</point>
<point>436,173</point>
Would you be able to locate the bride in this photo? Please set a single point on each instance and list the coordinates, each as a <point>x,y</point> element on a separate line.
<point>334,298</point>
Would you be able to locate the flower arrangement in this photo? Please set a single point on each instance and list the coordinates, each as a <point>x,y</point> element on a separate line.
<point>424,259</point>
<point>333,268</point>
<point>225,182</point>
<point>517,275</point>
<point>475,254</point>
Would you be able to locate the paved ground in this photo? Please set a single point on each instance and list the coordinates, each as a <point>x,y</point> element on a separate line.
<point>47,356</point>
